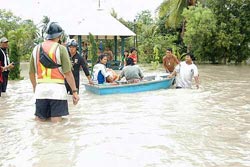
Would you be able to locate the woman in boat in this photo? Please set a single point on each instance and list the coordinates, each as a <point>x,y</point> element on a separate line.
<point>132,73</point>
<point>100,73</point>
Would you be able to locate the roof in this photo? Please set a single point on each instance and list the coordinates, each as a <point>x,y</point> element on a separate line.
<point>98,23</point>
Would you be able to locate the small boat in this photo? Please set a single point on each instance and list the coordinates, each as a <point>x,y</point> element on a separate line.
<point>149,83</point>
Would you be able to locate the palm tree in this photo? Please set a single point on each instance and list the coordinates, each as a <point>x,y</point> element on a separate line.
<point>44,24</point>
<point>173,10</point>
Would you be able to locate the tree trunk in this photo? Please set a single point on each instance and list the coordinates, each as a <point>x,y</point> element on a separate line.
<point>183,28</point>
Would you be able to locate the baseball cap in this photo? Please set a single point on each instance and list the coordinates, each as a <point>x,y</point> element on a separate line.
<point>3,40</point>
<point>53,30</point>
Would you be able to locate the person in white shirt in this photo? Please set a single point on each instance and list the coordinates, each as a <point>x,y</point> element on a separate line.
<point>185,72</point>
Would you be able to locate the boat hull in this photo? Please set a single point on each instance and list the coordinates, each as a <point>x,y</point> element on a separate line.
<point>104,89</point>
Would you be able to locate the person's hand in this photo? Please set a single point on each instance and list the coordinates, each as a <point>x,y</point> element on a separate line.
<point>91,82</point>
<point>11,65</point>
<point>170,76</point>
<point>76,98</point>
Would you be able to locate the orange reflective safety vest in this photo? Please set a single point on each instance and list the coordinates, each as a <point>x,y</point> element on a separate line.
<point>48,75</point>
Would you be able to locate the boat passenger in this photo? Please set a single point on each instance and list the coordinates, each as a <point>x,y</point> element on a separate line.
<point>124,59</point>
<point>131,72</point>
<point>100,73</point>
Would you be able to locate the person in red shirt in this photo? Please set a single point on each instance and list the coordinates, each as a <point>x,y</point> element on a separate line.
<point>133,55</point>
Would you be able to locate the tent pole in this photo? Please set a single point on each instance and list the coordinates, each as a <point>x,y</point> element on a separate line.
<point>123,45</point>
<point>115,38</point>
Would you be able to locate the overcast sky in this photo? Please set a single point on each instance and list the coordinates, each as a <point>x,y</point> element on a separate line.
<point>36,9</point>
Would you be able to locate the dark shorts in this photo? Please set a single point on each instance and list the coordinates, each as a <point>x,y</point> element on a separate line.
<point>46,108</point>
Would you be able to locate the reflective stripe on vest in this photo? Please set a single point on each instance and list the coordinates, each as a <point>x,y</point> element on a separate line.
<point>48,75</point>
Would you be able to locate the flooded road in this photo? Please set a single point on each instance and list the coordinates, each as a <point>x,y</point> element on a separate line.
<point>209,127</point>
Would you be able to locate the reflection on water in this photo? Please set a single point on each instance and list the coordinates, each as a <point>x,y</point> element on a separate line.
<point>173,128</point>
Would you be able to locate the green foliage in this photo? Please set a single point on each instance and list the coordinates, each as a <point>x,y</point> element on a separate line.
<point>149,38</point>
<point>200,29</point>
<point>156,57</point>
<point>21,35</point>
<point>14,56</point>
<point>172,10</point>
<point>93,51</point>
<point>215,31</point>
<point>148,43</point>
<point>232,38</point>
<point>144,17</point>
<point>7,22</point>
<point>43,26</point>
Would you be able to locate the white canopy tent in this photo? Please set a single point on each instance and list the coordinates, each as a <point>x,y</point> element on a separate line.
<point>99,23</point>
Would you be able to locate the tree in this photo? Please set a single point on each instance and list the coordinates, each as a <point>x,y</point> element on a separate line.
<point>45,22</point>
<point>144,17</point>
<point>21,35</point>
<point>200,30</point>
<point>232,37</point>
<point>151,43</point>
<point>172,9</point>
<point>8,21</point>
<point>93,51</point>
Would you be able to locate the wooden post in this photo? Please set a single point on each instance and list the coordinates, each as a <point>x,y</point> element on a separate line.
<point>115,38</point>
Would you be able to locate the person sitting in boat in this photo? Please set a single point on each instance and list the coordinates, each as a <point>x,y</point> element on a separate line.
<point>100,73</point>
<point>131,72</point>
<point>112,73</point>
